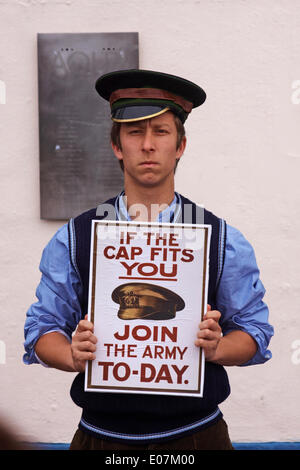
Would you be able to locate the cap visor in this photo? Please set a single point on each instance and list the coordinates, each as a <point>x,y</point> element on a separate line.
<point>137,113</point>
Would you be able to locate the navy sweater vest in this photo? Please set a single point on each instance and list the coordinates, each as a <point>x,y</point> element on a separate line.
<point>138,413</point>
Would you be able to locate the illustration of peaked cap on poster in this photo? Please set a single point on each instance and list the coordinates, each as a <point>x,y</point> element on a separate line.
<point>146,301</point>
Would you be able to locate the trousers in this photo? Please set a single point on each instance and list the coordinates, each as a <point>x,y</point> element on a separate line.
<point>214,437</point>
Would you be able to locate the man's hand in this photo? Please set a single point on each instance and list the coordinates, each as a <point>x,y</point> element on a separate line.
<point>233,349</point>
<point>209,333</point>
<point>83,344</point>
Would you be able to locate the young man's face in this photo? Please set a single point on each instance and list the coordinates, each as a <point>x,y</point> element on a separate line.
<point>149,150</point>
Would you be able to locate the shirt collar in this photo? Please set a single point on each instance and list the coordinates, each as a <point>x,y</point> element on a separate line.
<point>169,215</point>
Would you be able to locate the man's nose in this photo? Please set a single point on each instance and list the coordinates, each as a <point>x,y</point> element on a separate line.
<point>148,141</point>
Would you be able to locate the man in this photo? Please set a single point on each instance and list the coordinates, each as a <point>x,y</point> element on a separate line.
<point>148,111</point>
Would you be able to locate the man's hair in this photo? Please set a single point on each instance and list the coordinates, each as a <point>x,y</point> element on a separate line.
<point>115,136</point>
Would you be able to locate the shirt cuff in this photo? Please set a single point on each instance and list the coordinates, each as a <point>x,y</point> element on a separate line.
<point>34,358</point>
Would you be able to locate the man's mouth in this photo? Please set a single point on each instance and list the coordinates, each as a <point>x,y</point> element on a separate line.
<point>149,163</point>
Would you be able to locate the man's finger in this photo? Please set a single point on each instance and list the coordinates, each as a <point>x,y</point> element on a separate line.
<point>85,325</point>
<point>86,335</point>
<point>209,323</point>
<point>86,346</point>
<point>213,314</point>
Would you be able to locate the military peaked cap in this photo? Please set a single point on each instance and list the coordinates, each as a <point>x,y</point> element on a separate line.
<point>142,94</point>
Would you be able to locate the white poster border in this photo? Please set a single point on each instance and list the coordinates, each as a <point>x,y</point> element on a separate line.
<point>91,299</point>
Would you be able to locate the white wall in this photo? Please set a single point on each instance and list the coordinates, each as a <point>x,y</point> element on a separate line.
<point>242,161</point>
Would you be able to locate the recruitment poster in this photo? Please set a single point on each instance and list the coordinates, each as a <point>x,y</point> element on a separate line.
<point>148,294</point>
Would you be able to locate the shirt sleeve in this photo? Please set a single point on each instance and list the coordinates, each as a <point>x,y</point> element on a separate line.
<point>240,295</point>
<point>59,292</point>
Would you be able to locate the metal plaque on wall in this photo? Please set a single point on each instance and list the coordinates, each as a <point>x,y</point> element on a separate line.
<point>78,170</point>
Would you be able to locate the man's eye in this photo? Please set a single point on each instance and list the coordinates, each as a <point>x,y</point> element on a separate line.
<point>162,131</point>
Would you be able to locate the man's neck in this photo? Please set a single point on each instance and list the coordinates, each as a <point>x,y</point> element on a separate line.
<point>146,203</point>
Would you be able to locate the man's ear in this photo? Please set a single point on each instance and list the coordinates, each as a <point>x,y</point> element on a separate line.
<point>181,148</point>
<point>117,151</point>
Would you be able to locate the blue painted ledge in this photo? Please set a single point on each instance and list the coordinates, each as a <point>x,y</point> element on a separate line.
<point>266,445</point>
<point>236,445</point>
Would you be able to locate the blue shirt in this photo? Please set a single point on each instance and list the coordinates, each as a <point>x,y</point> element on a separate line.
<point>239,298</point>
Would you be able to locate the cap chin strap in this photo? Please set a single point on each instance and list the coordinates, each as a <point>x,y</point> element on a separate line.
<point>142,118</point>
